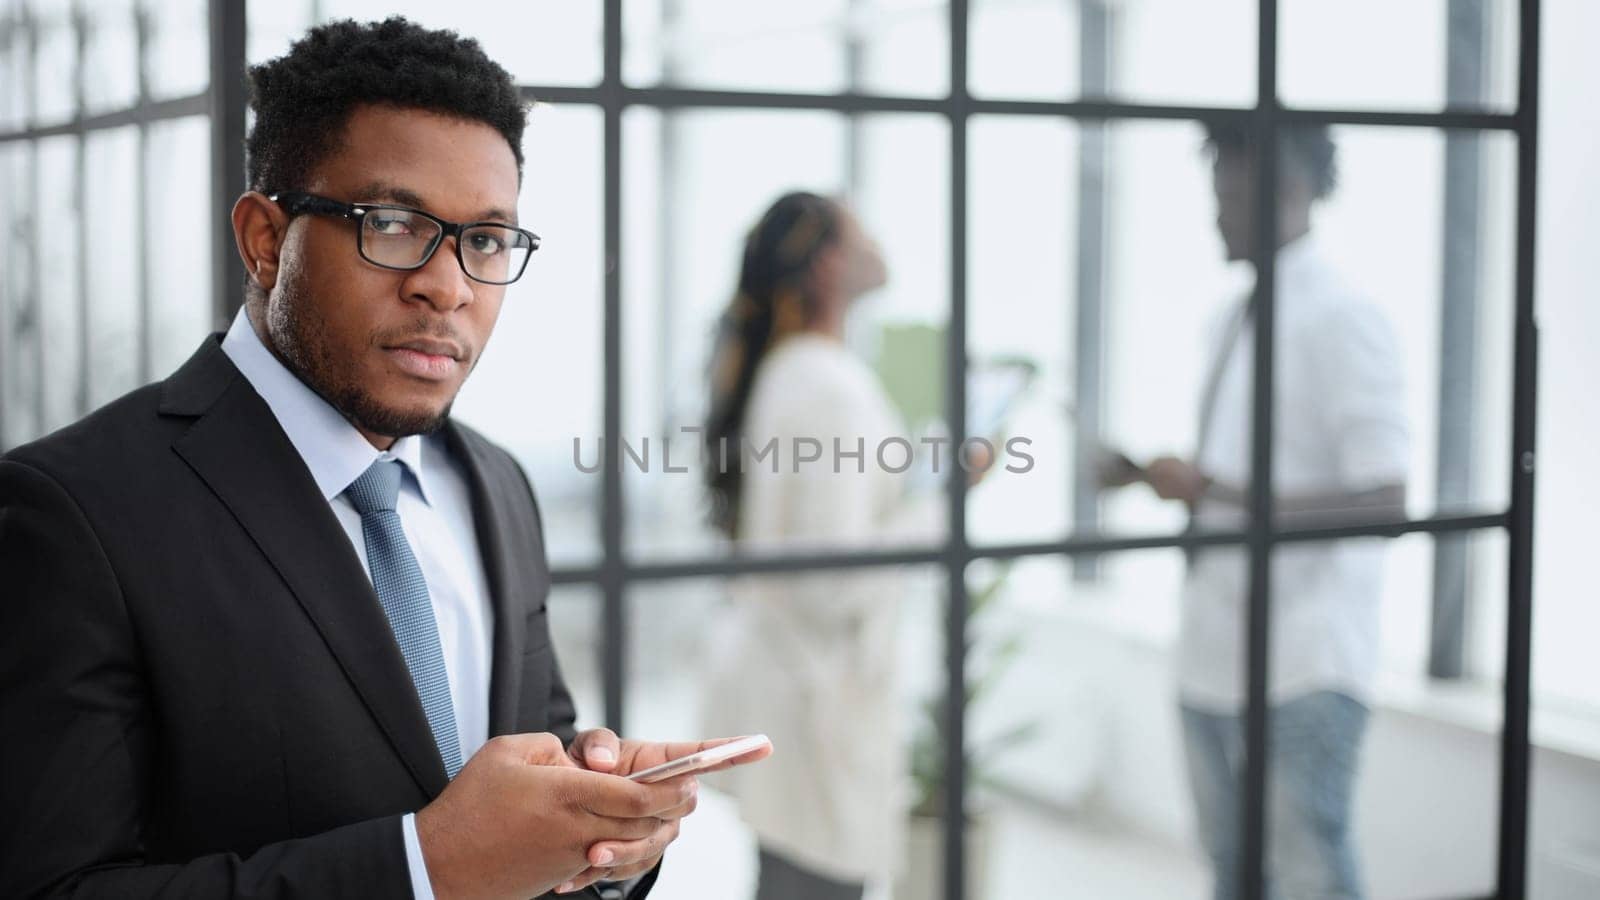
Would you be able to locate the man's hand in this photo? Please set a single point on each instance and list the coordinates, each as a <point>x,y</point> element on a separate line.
<point>1114,469</point>
<point>600,750</point>
<point>1173,479</point>
<point>979,459</point>
<point>521,819</point>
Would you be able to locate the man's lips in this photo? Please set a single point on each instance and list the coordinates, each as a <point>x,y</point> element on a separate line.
<point>430,347</point>
<point>426,358</point>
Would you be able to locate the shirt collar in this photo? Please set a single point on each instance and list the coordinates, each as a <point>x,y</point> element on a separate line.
<point>1297,255</point>
<point>332,448</point>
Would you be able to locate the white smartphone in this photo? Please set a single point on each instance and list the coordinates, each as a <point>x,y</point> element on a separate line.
<point>705,759</point>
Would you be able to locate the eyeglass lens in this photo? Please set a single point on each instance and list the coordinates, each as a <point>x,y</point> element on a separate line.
<point>403,240</point>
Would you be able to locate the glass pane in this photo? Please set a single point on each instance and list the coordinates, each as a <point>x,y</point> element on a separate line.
<point>745,46</point>
<point>1016,50</point>
<point>1566,616</point>
<point>549,333</point>
<point>111,57</point>
<point>19,299</point>
<point>1394,326</point>
<point>1163,51</point>
<point>114,240</point>
<point>1563,856</point>
<point>1076,728</point>
<point>180,219</point>
<point>538,43</point>
<point>903,47</point>
<point>1062,219</point>
<point>1383,781</point>
<point>61,298</point>
<point>15,78</point>
<point>575,633</point>
<point>272,27</point>
<point>692,197</point>
<point>869,46</point>
<point>178,52</point>
<point>1412,55</point>
<point>55,68</point>
<point>837,667</point>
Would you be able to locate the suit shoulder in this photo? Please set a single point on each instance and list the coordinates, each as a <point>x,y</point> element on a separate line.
<point>476,442</point>
<point>499,466</point>
<point>118,439</point>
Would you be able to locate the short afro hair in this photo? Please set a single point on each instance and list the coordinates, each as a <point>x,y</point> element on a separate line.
<point>303,99</point>
<point>1311,145</point>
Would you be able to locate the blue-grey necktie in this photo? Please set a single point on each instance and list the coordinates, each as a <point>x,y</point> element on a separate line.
<point>404,595</point>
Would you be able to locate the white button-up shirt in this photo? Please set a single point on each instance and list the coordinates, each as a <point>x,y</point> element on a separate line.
<point>435,509</point>
<point>1339,426</point>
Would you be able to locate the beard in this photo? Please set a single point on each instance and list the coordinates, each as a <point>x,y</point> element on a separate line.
<point>300,339</point>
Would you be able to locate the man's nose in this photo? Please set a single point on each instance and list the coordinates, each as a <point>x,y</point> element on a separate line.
<point>440,281</point>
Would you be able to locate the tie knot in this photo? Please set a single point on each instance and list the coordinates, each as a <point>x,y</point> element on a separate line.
<point>377,488</point>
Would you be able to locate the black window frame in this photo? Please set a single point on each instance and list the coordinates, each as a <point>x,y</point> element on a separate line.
<point>225,102</point>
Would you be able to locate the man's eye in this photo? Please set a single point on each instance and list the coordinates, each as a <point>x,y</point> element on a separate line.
<point>485,244</point>
<point>389,223</point>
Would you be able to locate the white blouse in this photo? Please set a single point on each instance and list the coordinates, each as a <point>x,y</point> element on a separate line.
<point>813,658</point>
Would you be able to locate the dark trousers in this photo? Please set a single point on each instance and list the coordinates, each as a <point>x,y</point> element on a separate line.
<point>781,879</point>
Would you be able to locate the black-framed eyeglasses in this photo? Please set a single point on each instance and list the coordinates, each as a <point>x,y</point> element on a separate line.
<point>399,237</point>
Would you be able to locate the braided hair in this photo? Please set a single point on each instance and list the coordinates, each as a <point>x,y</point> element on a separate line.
<point>772,300</point>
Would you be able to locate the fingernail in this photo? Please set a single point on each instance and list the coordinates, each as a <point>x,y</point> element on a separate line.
<point>602,754</point>
<point>565,888</point>
<point>604,858</point>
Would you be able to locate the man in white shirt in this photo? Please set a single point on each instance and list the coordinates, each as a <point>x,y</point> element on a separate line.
<point>1340,454</point>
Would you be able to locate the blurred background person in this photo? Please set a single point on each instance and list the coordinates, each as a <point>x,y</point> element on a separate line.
<point>1341,452</point>
<point>812,656</point>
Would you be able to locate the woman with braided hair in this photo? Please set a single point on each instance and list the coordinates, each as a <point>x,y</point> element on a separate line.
<point>812,655</point>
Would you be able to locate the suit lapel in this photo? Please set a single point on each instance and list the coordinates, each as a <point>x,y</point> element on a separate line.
<point>238,449</point>
<point>494,526</point>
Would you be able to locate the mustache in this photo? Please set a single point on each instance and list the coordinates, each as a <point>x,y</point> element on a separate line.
<point>432,329</point>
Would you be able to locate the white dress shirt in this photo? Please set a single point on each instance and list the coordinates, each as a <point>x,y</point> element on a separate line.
<point>1339,426</point>
<point>435,509</point>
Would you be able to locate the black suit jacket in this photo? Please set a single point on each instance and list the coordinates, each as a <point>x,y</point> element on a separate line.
<point>200,694</point>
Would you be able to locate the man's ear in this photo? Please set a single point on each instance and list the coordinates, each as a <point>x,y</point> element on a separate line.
<point>259,226</point>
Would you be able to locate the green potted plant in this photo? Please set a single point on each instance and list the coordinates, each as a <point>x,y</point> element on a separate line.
<point>921,877</point>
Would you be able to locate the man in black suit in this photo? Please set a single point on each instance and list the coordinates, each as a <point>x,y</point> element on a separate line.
<point>275,627</point>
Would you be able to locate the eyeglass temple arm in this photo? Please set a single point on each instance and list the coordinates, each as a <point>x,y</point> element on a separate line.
<point>295,202</point>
